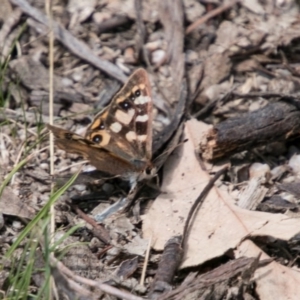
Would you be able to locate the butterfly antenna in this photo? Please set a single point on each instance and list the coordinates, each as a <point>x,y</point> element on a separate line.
<point>168,152</point>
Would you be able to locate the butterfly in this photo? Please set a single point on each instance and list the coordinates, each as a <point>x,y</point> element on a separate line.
<point>119,140</point>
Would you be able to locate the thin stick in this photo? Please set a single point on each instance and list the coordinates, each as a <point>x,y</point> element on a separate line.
<point>48,8</point>
<point>198,203</point>
<point>210,15</point>
<point>51,70</point>
<point>96,284</point>
<point>146,262</point>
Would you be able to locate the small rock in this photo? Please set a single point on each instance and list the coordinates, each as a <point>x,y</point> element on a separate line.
<point>77,76</point>
<point>44,166</point>
<point>154,45</point>
<point>99,17</point>
<point>258,170</point>
<point>294,163</point>
<point>158,56</point>
<point>79,187</point>
<point>129,57</point>
<point>95,243</point>
<point>17,225</point>
<point>43,155</point>
<point>191,56</point>
<point>278,171</point>
<point>67,81</point>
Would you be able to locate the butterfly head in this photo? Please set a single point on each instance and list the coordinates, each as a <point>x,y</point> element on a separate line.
<point>149,172</point>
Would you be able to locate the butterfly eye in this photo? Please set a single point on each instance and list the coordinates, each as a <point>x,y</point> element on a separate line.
<point>97,139</point>
<point>148,171</point>
<point>126,105</point>
<point>137,93</point>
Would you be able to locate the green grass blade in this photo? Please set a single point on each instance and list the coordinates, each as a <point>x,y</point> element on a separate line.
<point>43,213</point>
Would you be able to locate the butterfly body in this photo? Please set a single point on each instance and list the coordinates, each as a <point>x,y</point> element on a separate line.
<point>119,140</point>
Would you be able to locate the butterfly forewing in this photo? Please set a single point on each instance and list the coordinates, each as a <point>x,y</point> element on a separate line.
<point>128,120</point>
<point>119,140</point>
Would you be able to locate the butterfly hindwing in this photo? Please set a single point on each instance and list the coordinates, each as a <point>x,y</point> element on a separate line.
<point>102,159</point>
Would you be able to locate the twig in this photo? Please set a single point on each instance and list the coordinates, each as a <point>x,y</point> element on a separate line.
<point>98,230</point>
<point>141,31</point>
<point>73,44</point>
<point>199,202</point>
<point>266,95</point>
<point>146,261</point>
<point>171,13</point>
<point>170,261</point>
<point>11,21</point>
<point>210,15</point>
<point>30,117</point>
<point>96,284</point>
<point>70,287</point>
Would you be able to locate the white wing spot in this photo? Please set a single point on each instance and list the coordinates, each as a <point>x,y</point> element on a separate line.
<point>131,136</point>
<point>142,138</point>
<point>125,117</point>
<point>143,118</point>
<point>116,127</point>
<point>141,100</point>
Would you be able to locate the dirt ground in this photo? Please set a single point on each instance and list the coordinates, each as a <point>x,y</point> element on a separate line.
<point>217,216</point>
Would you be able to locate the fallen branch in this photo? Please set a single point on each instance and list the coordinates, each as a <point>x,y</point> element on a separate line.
<point>275,122</point>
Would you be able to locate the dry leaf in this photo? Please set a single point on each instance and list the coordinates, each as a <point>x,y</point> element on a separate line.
<point>219,225</point>
<point>137,246</point>
<point>273,281</point>
<point>12,205</point>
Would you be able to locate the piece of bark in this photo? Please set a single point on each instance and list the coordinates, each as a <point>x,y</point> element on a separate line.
<point>275,122</point>
<point>112,23</point>
<point>277,204</point>
<point>214,284</point>
<point>170,261</point>
<point>291,187</point>
<point>161,138</point>
<point>127,268</point>
<point>171,13</point>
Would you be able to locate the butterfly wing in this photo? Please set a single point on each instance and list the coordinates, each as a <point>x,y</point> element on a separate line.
<point>126,124</point>
<point>101,158</point>
<point>119,140</point>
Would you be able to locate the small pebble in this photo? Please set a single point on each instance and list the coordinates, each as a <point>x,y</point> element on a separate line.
<point>67,81</point>
<point>294,163</point>
<point>258,170</point>
<point>17,225</point>
<point>158,56</point>
<point>278,171</point>
<point>77,76</point>
<point>99,17</point>
<point>44,155</point>
<point>129,57</point>
<point>44,166</point>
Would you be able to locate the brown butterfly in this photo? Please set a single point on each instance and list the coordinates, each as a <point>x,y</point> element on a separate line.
<point>119,140</point>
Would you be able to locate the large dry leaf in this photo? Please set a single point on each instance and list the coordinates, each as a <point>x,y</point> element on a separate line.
<point>219,225</point>
<point>273,281</point>
<point>11,204</point>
